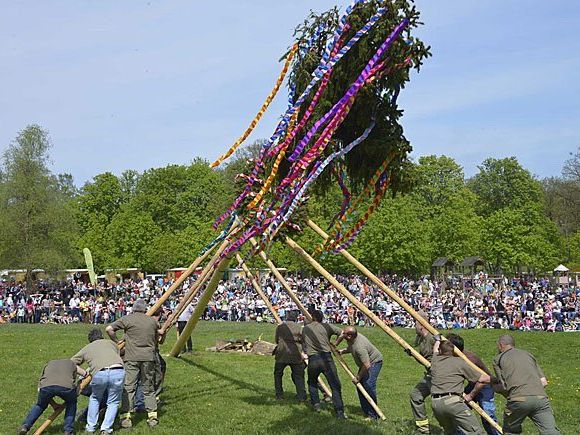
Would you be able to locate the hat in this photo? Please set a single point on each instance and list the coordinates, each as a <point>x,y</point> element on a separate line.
<point>139,306</point>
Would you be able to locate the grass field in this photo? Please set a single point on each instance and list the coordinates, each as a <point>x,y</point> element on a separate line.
<point>233,393</point>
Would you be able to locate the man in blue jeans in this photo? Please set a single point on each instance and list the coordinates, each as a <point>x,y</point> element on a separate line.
<point>58,379</point>
<point>108,378</point>
<point>316,348</point>
<point>484,396</point>
<point>369,361</point>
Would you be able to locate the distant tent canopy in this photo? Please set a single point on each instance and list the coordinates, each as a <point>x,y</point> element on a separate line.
<point>561,268</point>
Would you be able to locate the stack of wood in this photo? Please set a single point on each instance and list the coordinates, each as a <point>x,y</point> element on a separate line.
<point>258,347</point>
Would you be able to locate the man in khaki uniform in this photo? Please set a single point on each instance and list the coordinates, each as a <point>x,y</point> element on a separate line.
<point>448,373</point>
<point>288,353</point>
<point>316,345</point>
<point>141,337</point>
<point>369,361</point>
<point>425,341</point>
<point>523,381</point>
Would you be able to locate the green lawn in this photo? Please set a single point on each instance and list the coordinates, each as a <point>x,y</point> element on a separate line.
<point>233,393</point>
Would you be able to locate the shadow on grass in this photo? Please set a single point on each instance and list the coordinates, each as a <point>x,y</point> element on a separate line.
<point>301,418</point>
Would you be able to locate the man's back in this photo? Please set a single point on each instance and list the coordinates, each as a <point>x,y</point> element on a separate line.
<point>288,341</point>
<point>519,373</point>
<point>316,337</point>
<point>363,351</point>
<point>98,355</point>
<point>140,336</point>
<point>59,372</point>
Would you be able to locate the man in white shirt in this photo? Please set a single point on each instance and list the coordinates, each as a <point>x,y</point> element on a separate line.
<point>181,322</point>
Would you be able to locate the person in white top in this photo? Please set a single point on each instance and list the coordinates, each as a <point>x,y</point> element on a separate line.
<point>181,322</point>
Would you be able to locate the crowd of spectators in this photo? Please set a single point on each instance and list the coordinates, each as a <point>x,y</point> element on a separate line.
<point>517,304</point>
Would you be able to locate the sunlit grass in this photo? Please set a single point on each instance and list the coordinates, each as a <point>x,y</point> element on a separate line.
<point>233,393</point>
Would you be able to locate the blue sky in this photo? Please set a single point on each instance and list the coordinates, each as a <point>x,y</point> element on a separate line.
<point>140,84</point>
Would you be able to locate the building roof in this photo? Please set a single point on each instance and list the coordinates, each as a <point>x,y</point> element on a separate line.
<point>472,261</point>
<point>443,261</point>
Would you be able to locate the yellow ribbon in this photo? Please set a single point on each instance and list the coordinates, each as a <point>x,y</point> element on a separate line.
<point>260,113</point>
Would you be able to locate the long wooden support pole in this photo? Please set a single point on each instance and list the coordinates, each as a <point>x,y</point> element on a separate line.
<point>360,387</point>
<point>169,322</point>
<point>258,288</point>
<point>353,300</point>
<point>201,306</point>
<point>424,322</point>
<point>290,293</point>
<point>194,289</point>
<point>307,315</point>
<point>281,280</point>
<point>186,273</point>
<point>361,307</point>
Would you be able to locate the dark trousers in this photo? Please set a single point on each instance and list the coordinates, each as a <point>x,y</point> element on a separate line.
<point>369,383</point>
<point>323,363</point>
<point>180,327</point>
<point>297,378</point>
<point>45,394</point>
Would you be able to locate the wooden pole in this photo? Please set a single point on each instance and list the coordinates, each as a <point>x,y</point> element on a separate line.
<point>290,293</point>
<point>373,316</point>
<point>307,315</point>
<point>346,368</point>
<point>186,273</point>
<point>282,280</point>
<point>358,304</point>
<point>258,288</point>
<point>194,289</point>
<point>424,322</point>
<point>201,306</point>
<point>168,324</point>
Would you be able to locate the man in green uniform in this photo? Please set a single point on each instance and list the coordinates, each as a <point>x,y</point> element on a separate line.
<point>483,395</point>
<point>425,341</point>
<point>288,353</point>
<point>58,379</point>
<point>523,381</point>
<point>141,337</point>
<point>448,373</point>
<point>369,362</point>
<point>316,347</point>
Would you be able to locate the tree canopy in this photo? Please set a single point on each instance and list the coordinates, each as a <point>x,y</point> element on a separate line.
<point>162,218</point>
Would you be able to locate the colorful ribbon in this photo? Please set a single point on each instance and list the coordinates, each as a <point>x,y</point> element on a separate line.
<point>262,110</point>
<point>318,74</point>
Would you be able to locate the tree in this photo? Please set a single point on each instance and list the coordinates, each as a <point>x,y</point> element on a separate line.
<point>518,239</point>
<point>177,196</point>
<point>95,207</point>
<point>395,240</point>
<point>130,234</point>
<point>438,181</point>
<point>504,183</point>
<point>571,170</point>
<point>38,224</point>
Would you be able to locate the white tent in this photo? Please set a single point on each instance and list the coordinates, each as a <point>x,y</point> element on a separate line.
<point>561,268</point>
